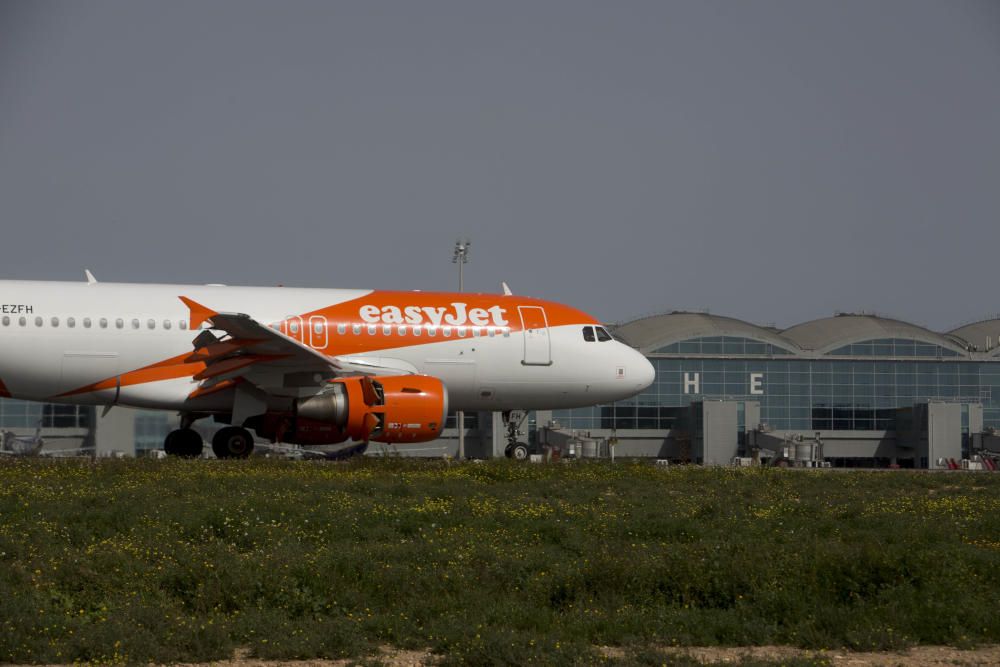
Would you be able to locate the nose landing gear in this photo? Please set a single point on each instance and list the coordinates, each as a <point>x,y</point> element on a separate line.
<point>515,449</point>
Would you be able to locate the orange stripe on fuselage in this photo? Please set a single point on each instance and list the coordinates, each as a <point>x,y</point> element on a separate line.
<point>438,309</point>
<point>168,369</point>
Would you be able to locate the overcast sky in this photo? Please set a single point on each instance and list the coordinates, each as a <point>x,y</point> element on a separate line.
<point>773,161</point>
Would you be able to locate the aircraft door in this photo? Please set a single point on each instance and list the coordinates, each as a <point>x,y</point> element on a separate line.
<point>537,347</point>
<point>317,332</point>
<point>293,327</point>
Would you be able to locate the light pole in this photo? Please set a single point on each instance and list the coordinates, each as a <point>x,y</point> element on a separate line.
<point>460,257</point>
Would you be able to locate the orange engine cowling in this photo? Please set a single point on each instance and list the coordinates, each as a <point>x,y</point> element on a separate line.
<point>398,408</point>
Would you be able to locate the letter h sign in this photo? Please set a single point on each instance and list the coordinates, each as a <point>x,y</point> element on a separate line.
<point>692,383</point>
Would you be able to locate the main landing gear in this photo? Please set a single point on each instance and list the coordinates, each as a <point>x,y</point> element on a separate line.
<point>232,442</point>
<point>183,442</point>
<point>515,449</point>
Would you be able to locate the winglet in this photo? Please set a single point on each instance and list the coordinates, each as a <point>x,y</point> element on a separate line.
<point>506,290</point>
<point>199,313</point>
<point>91,280</point>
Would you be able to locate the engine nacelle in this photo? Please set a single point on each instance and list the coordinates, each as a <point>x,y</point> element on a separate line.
<point>398,408</point>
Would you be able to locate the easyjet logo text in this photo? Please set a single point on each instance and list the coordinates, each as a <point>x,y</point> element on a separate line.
<point>457,314</point>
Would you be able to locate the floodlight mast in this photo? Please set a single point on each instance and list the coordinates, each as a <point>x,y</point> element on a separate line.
<point>460,257</point>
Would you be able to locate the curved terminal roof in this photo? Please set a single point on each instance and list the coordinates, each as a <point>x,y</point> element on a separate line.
<point>816,337</point>
<point>983,335</point>
<point>832,332</point>
<point>652,333</point>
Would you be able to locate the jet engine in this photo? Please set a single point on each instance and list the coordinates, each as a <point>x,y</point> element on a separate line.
<point>391,409</point>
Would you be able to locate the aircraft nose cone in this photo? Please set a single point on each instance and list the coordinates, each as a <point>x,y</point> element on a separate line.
<point>645,372</point>
<point>639,372</point>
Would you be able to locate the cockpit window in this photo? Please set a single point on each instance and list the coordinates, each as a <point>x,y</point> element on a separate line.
<point>602,334</point>
<point>588,334</point>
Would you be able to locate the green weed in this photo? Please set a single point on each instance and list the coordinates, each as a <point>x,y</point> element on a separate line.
<point>497,563</point>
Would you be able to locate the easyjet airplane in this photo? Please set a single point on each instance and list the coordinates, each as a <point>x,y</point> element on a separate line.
<point>306,366</point>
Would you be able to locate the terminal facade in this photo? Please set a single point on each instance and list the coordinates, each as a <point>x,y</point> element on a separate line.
<point>859,389</point>
<point>872,391</point>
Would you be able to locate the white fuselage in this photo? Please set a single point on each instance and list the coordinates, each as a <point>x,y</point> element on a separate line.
<point>105,343</point>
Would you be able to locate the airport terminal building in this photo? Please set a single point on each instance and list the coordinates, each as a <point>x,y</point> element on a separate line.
<point>849,390</point>
<point>869,390</point>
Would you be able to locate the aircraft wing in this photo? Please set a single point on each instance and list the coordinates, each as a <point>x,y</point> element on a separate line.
<point>249,351</point>
<point>264,341</point>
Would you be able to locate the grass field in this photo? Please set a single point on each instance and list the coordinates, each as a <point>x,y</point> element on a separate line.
<point>136,561</point>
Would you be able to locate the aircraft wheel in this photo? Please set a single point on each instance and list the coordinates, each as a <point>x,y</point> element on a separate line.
<point>519,452</point>
<point>171,445</point>
<point>232,442</point>
<point>507,451</point>
<point>183,442</point>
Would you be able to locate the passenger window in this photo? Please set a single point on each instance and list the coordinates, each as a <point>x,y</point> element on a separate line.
<point>151,323</point>
<point>167,324</point>
<point>21,321</point>
<point>588,334</point>
<point>386,329</point>
<point>70,322</point>
<point>103,323</point>
<point>119,323</point>
<point>602,335</point>
<point>6,321</point>
<point>506,332</point>
<point>86,323</point>
<point>446,331</point>
<point>356,329</point>
<point>493,332</point>
<point>461,332</point>
<point>183,324</point>
<point>476,332</point>
<point>293,327</point>
<point>55,321</point>
<point>318,327</point>
<point>432,331</point>
<point>341,329</point>
<point>416,329</point>
<point>372,329</point>
<point>402,329</point>
<point>38,321</point>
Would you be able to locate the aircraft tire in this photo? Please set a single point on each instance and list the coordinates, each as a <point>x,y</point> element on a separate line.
<point>507,451</point>
<point>170,445</point>
<point>183,442</point>
<point>232,442</point>
<point>519,452</point>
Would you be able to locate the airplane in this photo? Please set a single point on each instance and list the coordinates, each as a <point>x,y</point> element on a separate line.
<point>15,445</point>
<point>308,366</point>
